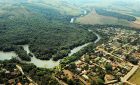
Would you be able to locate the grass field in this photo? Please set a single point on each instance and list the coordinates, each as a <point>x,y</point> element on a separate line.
<point>135,78</point>
<point>61,6</point>
<point>94,18</point>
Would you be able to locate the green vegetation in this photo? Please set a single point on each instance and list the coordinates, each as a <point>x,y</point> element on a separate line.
<point>47,31</point>
<point>77,55</point>
<point>49,34</point>
<point>22,54</point>
<point>39,75</point>
<point>114,14</point>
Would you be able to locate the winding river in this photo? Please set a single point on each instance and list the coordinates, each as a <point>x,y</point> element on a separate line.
<point>50,63</point>
<point>45,63</point>
<point>40,63</point>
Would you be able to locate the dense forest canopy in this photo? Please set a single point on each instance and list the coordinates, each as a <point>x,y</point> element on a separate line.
<point>44,26</point>
<point>40,27</point>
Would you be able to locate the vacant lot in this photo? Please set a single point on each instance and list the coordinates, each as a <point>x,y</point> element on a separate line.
<point>136,78</point>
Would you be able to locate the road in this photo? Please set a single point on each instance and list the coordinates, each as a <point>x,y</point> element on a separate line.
<point>130,73</point>
<point>60,81</point>
<point>100,49</point>
<point>20,69</point>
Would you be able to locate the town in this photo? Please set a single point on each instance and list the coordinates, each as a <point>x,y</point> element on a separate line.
<point>111,63</point>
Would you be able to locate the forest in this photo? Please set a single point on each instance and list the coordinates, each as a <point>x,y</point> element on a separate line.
<point>115,14</point>
<point>48,32</point>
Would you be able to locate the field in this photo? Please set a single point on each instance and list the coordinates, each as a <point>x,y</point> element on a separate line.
<point>136,78</point>
<point>94,18</point>
<point>61,6</point>
<point>131,13</point>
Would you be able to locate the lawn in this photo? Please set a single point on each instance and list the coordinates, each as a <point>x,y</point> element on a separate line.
<point>135,78</point>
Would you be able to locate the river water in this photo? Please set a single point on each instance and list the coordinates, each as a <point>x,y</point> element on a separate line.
<point>40,63</point>
<point>73,19</point>
<point>49,63</point>
<point>77,49</point>
<point>45,63</point>
<point>7,55</point>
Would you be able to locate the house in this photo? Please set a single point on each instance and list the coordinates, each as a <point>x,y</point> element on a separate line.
<point>109,77</point>
<point>78,69</point>
<point>85,77</point>
<point>79,62</point>
<point>11,81</point>
<point>19,83</point>
<point>84,72</point>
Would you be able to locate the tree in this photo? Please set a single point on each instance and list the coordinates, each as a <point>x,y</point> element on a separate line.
<point>72,66</point>
<point>70,82</point>
<point>100,81</point>
<point>108,67</point>
<point>93,82</point>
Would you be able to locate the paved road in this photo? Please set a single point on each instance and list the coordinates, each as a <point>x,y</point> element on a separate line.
<point>130,73</point>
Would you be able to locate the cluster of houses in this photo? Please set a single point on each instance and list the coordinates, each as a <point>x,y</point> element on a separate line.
<point>109,61</point>
<point>12,76</point>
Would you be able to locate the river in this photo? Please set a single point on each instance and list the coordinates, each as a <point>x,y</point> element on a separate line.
<point>7,55</point>
<point>46,63</point>
<point>43,63</point>
<point>50,63</point>
<point>78,49</point>
<point>74,18</point>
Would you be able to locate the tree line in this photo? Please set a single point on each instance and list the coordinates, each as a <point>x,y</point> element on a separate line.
<point>115,14</point>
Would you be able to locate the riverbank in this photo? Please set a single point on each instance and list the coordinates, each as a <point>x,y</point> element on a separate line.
<point>90,46</point>
<point>50,63</point>
<point>44,63</point>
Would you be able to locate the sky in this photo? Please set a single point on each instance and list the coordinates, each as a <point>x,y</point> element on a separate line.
<point>131,3</point>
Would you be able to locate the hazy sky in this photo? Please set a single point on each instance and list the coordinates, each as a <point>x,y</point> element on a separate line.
<point>135,4</point>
